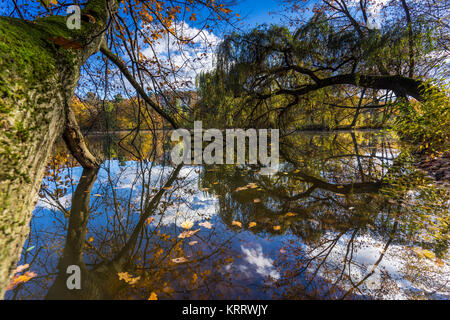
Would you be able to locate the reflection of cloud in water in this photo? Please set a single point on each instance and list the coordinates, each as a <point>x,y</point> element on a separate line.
<point>48,203</point>
<point>194,206</point>
<point>255,257</point>
<point>396,261</point>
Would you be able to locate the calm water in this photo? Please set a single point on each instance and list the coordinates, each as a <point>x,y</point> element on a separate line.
<point>344,218</point>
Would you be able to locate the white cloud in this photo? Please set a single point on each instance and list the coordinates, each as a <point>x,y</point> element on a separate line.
<point>264,266</point>
<point>189,60</point>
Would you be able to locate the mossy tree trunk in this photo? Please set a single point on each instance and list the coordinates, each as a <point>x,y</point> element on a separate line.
<point>38,77</point>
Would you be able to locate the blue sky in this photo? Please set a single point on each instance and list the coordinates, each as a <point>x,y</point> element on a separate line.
<point>256,12</point>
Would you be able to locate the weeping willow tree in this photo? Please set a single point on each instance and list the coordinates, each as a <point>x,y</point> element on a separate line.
<point>321,74</point>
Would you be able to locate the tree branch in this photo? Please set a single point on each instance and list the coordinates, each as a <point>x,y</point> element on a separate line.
<point>75,142</point>
<point>398,84</point>
<point>123,68</point>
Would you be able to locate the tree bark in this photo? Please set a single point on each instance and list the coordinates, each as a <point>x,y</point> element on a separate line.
<point>398,84</point>
<point>75,142</point>
<point>37,81</point>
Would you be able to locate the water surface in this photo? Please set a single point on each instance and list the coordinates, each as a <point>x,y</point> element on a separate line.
<point>345,217</point>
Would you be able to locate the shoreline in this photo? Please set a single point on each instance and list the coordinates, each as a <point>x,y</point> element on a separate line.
<point>436,167</point>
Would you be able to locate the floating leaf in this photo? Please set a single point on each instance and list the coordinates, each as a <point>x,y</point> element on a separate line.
<point>256,200</point>
<point>21,268</point>
<point>187,224</point>
<point>205,224</point>
<point>18,279</point>
<point>193,243</point>
<point>91,239</point>
<point>180,260</point>
<point>125,276</point>
<point>429,254</point>
<point>188,234</point>
<point>291,214</point>
<point>276,228</point>
<point>252,224</point>
<point>237,223</point>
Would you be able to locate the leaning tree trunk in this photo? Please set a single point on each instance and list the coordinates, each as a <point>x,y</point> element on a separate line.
<point>40,64</point>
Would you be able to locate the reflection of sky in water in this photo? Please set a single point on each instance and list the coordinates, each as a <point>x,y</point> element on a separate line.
<point>197,207</point>
<point>255,253</point>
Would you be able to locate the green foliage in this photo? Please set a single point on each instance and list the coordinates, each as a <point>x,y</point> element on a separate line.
<point>258,70</point>
<point>426,125</point>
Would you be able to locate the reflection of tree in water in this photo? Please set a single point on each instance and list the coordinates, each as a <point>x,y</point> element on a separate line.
<point>101,281</point>
<point>338,205</point>
<point>131,254</point>
<point>335,197</point>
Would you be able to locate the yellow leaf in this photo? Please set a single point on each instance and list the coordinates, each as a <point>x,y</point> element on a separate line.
<point>429,254</point>
<point>237,223</point>
<point>205,224</point>
<point>252,224</point>
<point>21,268</point>
<point>17,279</point>
<point>153,296</point>
<point>188,234</point>
<point>291,214</point>
<point>125,276</point>
<point>276,228</point>
<point>180,260</point>
<point>91,239</point>
<point>187,224</point>
<point>256,200</point>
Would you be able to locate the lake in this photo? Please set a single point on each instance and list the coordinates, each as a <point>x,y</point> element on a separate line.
<point>346,217</point>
